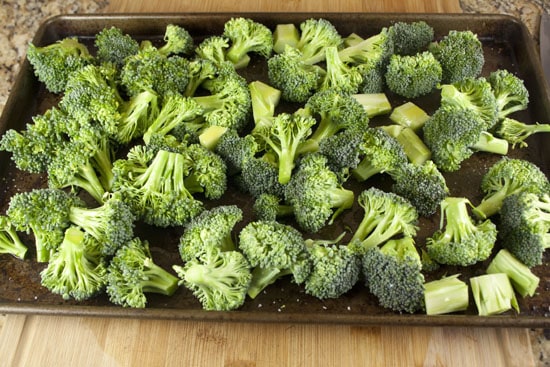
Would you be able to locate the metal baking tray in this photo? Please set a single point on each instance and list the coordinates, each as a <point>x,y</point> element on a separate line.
<point>507,44</point>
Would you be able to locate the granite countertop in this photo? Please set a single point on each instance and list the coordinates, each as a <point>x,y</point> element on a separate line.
<point>21,19</point>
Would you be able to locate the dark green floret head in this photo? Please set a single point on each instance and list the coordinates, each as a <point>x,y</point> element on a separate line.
<point>410,38</point>
<point>412,76</point>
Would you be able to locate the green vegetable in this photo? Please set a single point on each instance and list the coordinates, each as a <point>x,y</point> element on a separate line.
<point>446,295</point>
<point>516,132</point>
<point>177,40</point>
<point>412,76</point>
<point>316,34</point>
<point>409,115</point>
<point>410,38</point>
<point>114,46</point>
<point>339,75</point>
<point>493,294</point>
<point>10,243</point>
<point>523,280</point>
<point>510,92</point>
<point>245,36</point>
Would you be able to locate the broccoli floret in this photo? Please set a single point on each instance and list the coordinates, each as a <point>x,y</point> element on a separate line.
<point>372,75</point>
<point>316,34</point>
<point>374,50</point>
<point>269,207</point>
<point>153,184</point>
<point>247,36</point>
<point>423,185</point>
<point>10,243</point>
<point>75,269</point>
<point>516,132</point>
<point>200,70</point>
<point>412,76</point>
<point>410,38</point>
<point>111,224</point>
<point>342,152</point>
<point>219,279</point>
<point>296,79</point>
<point>212,229</point>
<point>44,213</point>
<point>386,215</point>
<point>460,54</point>
<point>453,134</point>
<point>53,63</point>
<point>136,115</point>
<point>460,239</point>
<point>446,295</point>
<point>284,137</point>
<point>235,150</point>
<point>177,40</point>
<point>260,176</point>
<point>273,250</point>
<point>379,153</point>
<point>335,269</point>
<point>264,100</point>
<point>393,275</point>
<point>506,177</point>
<point>214,49</point>
<point>114,46</point>
<point>208,172</point>
<point>409,115</point>
<point>493,294</point>
<point>523,280</point>
<point>475,95</point>
<point>524,227</point>
<point>132,273</point>
<point>510,92</point>
<point>316,194</point>
<point>413,145</point>
<point>339,75</point>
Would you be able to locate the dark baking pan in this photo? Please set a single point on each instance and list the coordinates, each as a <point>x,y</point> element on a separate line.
<point>507,44</point>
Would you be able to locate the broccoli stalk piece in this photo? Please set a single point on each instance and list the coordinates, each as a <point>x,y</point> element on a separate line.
<point>493,294</point>
<point>10,243</point>
<point>132,273</point>
<point>460,240</point>
<point>273,250</point>
<point>516,132</point>
<point>336,267</point>
<point>410,38</point>
<point>446,295</point>
<point>247,36</point>
<point>316,194</point>
<point>510,92</point>
<point>264,100</point>
<point>339,76</point>
<point>412,76</point>
<point>75,269</point>
<point>414,147</point>
<point>284,35</point>
<point>375,104</point>
<point>177,41</point>
<point>523,280</point>
<point>386,215</point>
<point>393,275</point>
<point>114,46</point>
<point>409,115</point>
<point>316,34</point>
<point>506,177</point>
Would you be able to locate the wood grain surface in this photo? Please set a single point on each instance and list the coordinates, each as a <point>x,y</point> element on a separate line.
<point>79,341</point>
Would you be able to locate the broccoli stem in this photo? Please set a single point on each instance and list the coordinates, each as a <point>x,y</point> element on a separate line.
<point>262,277</point>
<point>516,132</point>
<point>409,115</point>
<point>87,179</point>
<point>104,166</point>
<point>445,295</point>
<point>459,223</point>
<point>341,199</point>
<point>11,244</point>
<point>523,280</point>
<point>158,280</point>
<point>286,164</point>
<point>364,170</point>
<point>374,103</point>
<point>491,204</point>
<point>489,143</point>
<point>414,147</point>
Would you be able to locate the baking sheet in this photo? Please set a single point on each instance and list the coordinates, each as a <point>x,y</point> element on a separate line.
<point>507,44</point>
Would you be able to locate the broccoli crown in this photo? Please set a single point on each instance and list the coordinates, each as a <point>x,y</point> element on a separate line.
<point>274,250</point>
<point>475,94</point>
<point>316,34</point>
<point>208,173</point>
<point>342,152</point>
<point>374,50</point>
<point>296,79</point>
<point>269,207</point>
<point>373,78</point>
<point>423,185</point>
<point>235,150</point>
<point>460,240</point>
<point>410,38</point>
<point>460,54</point>
<point>393,275</point>
<point>111,224</point>
<point>220,279</point>
<point>510,92</point>
<point>247,36</point>
<point>339,75</point>
<point>177,41</point>
<point>114,46</point>
<point>52,64</point>
<point>259,176</point>
<point>506,177</point>
<point>75,269</point>
<point>316,194</point>
<point>446,295</point>
<point>213,49</point>
<point>284,137</point>
<point>337,111</point>
<point>45,213</point>
<point>211,229</point>
<point>413,76</point>
<point>132,273</point>
<point>386,215</point>
<point>335,269</point>
<point>10,243</point>
<point>136,115</point>
<point>516,132</point>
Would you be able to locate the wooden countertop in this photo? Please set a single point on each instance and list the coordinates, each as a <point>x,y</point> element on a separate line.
<point>32,340</point>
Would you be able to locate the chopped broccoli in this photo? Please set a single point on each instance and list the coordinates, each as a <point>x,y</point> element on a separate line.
<point>200,70</point>
<point>75,269</point>
<point>342,152</point>
<point>269,207</point>
<point>510,92</point>
<point>516,132</point>
<point>410,38</point>
<point>53,63</point>
<point>132,273</point>
<point>245,36</point>
<point>336,267</point>
<point>412,76</point>
<point>506,177</point>
<point>413,145</point>
<point>393,275</point>
<point>285,34</point>
<point>460,239</point>
<point>235,150</point>
<point>493,294</point>
<point>114,46</point>
<point>208,172</point>
<point>523,280</point>
<point>374,50</point>
<point>177,40</point>
<point>372,75</point>
<point>273,250</point>
<point>339,75</point>
<point>214,49</point>
<point>460,54</point>
<point>137,114</point>
<point>316,194</point>
<point>409,115</point>
<point>260,176</point>
<point>386,215</point>
<point>10,243</point>
<point>264,100</point>
<point>446,295</point>
<point>316,34</point>
<point>375,104</point>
